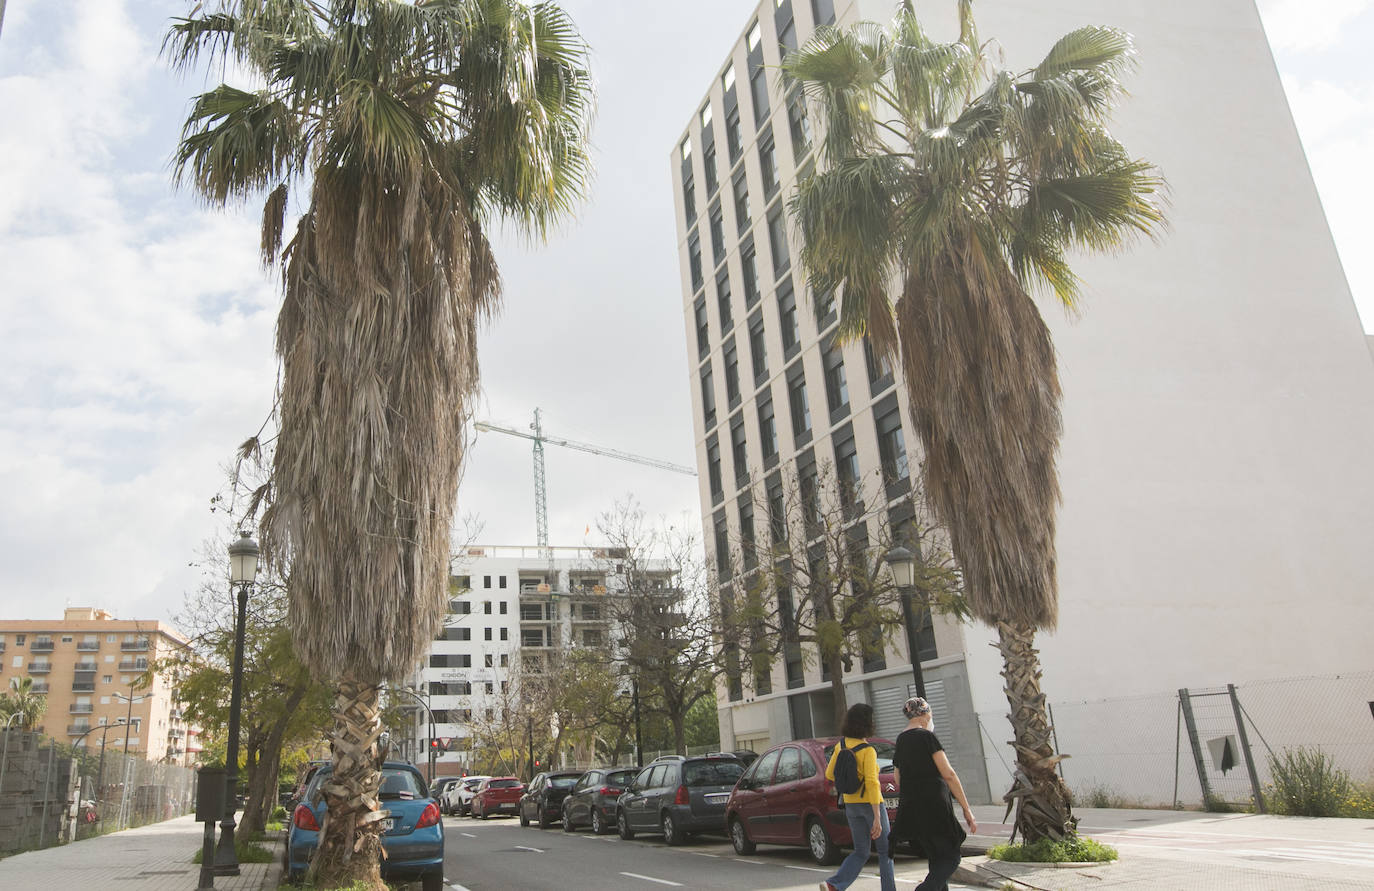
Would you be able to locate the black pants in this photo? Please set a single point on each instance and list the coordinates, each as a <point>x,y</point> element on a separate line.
<point>942,866</point>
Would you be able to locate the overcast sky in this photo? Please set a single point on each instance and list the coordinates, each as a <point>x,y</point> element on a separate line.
<point>136,327</point>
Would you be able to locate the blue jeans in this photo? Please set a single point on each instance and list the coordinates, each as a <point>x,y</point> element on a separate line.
<point>860,817</point>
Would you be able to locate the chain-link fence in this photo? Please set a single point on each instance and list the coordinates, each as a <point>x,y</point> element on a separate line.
<point>1199,747</point>
<point>52,794</point>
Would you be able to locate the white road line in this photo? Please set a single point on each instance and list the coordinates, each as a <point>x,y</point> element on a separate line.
<point>635,875</point>
<point>704,854</point>
<point>807,868</point>
<point>528,848</point>
<point>467,834</point>
<point>1291,854</point>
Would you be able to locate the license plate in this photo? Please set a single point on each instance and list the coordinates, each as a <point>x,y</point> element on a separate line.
<point>388,824</point>
<point>890,802</point>
<point>716,797</point>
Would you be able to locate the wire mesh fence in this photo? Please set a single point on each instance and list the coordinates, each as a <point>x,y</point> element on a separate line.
<point>52,794</point>
<point>1200,747</point>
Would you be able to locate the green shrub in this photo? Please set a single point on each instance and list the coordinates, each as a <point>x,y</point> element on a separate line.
<point>278,814</point>
<point>1104,796</point>
<point>1307,784</point>
<point>1070,850</point>
<point>247,852</point>
<point>1360,802</point>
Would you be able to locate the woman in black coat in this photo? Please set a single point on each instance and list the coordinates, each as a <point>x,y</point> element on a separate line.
<point>925,811</point>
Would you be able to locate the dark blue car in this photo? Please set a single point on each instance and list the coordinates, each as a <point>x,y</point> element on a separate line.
<point>413,834</point>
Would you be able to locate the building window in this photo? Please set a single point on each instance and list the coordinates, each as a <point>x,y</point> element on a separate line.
<point>741,187</point>
<point>717,233</point>
<point>486,607</point>
<point>486,634</point>
<point>787,319</point>
<point>799,124</point>
<point>486,581</point>
<point>708,165</point>
<point>505,660</point>
<point>505,634</point>
<point>705,117</point>
<point>809,486</point>
<point>531,612</point>
<point>738,451</point>
<point>768,166</point>
<point>777,241</point>
<point>731,373</point>
<point>532,637</point>
<point>689,200</point>
<point>713,468</point>
<point>836,387</point>
<point>591,637</point>
<point>777,510</point>
<point>723,301</point>
<point>750,267</point>
<point>797,402</point>
<point>501,581</point>
<point>758,353</point>
<point>758,89</point>
<point>708,395</point>
<point>460,607</point>
<point>746,531</point>
<point>824,305</point>
<point>847,471</point>
<point>879,369</point>
<point>727,78</point>
<point>722,539</point>
<point>787,37</point>
<point>686,148</point>
<point>694,261</point>
<point>824,11</point>
<point>892,446</point>
<point>754,36</point>
<point>503,606</point>
<point>734,141</point>
<point>768,431</point>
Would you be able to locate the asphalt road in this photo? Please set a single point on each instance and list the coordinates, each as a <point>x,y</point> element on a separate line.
<point>485,855</point>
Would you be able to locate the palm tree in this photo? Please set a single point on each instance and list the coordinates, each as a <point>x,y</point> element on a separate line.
<point>405,130</point>
<point>950,192</point>
<point>22,700</point>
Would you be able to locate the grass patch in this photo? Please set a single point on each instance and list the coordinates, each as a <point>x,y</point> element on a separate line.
<point>278,814</point>
<point>1103,796</point>
<point>247,852</point>
<point>1073,850</point>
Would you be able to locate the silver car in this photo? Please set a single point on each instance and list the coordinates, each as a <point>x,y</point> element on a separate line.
<point>458,797</point>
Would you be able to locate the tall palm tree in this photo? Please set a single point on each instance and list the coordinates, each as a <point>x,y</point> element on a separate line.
<point>950,191</point>
<point>22,700</point>
<point>404,130</point>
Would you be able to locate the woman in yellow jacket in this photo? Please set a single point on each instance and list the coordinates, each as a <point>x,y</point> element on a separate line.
<point>865,811</point>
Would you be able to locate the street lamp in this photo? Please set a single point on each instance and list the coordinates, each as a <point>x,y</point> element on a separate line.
<point>243,572</point>
<point>416,696</point>
<point>5,757</point>
<point>902,562</point>
<point>100,771</point>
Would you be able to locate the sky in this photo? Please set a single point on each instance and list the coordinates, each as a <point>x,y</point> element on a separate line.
<point>136,324</point>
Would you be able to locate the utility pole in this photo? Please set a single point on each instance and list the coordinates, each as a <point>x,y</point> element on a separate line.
<point>529,768</point>
<point>639,743</point>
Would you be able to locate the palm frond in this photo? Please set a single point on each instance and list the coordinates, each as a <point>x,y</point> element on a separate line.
<point>1091,48</point>
<point>236,142</point>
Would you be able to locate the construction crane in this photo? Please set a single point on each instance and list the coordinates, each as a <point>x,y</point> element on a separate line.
<point>539,437</point>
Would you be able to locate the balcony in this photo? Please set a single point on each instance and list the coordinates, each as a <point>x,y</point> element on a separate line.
<point>2,646</point>
<point>40,667</point>
<point>134,646</point>
<point>91,667</point>
<point>41,645</point>
<point>87,646</point>
<point>80,708</point>
<point>176,733</point>
<point>83,687</point>
<point>78,729</point>
<point>133,665</point>
<point>39,687</point>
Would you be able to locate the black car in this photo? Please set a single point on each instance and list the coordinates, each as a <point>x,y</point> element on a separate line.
<point>440,787</point>
<point>678,796</point>
<point>542,802</point>
<point>593,799</point>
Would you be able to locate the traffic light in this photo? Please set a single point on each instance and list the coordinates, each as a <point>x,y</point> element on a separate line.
<point>436,745</point>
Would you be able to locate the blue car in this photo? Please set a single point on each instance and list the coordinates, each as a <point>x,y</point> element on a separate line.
<point>414,833</point>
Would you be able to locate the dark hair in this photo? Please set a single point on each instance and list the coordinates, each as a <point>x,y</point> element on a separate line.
<point>858,721</point>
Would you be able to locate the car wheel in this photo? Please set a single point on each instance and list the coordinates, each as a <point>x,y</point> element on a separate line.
<point>295,877</point>
<point>598,822</point>
<point>739,837</point>
<point>823,848</point>
<point>672,833</point>
<point>543,817</point>
<point>432,881</point>
<point>622,823</point>
<point>524,820</point>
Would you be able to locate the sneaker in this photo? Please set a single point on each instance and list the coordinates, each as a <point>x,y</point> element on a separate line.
<point>826,886</point>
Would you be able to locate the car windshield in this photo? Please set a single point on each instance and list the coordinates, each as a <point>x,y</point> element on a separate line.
<point>563,782</point>
<point>503,784</point>
<point>620,778</point>
<point>881,747</point>
<point>711,773</point>
<point>400,785</point>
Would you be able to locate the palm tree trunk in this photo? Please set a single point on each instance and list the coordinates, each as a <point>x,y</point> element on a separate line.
<point>350,839</point>
<point>1043,803</point>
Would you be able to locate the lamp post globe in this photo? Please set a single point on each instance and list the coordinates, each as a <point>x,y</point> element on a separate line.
<point>903,565</point>
<point>243,560</point>
<point>243,572</point>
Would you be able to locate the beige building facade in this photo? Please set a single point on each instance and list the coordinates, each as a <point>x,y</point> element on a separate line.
<point>89,665</point>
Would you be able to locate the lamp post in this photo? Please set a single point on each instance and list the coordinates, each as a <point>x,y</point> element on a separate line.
<point>429,712</point>
<point>5,757</point>
<point>243,572</point>
<point>903,565</point>
<point>100,771</point>
<point>129,719</point>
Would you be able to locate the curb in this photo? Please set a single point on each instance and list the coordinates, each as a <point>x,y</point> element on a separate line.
<point>272,879</point>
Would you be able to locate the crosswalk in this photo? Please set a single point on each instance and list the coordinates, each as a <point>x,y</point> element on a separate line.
<point>1346,855</point>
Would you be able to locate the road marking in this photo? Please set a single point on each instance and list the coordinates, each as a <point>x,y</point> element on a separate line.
<point>1296,854</point>
<point>467,834</point>
<point>528,848</point>
<point>635,875</point>
<point>807,868</point>
<point>704,854</point>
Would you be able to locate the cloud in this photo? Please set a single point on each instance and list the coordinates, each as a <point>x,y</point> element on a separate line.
<point>1309,24</point>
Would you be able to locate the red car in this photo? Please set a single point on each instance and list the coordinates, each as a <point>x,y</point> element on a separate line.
<point>785,799</point>
<point>498,795</point>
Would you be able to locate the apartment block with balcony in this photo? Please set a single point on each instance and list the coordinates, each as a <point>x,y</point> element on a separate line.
<point>88,664</point>
<point>1203,375</point>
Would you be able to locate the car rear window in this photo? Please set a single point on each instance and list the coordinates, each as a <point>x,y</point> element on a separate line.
<point>711,773</point>
<point>400,785</point>
<point>562,782</point>
<point>620,777</point>
<point>503,784</point>
<point>472,784</point>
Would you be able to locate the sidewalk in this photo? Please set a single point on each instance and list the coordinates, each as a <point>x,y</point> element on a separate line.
<point>1191,851</point>
<point>156,857</point>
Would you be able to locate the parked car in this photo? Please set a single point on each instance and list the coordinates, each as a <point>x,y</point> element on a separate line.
<point>303,777</point>
<point>678,796</point>
<point>459,796</point>
<point>412,836</point>
<point>784,799</point>
<point>745,756</point>
<point>496,795</point>
<point>542,802</point>
<point>440,789</point>
<point>593,798</point>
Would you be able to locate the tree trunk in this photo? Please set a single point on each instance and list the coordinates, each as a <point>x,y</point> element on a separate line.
<point>1043,803</point>
<point>350,839</point>
<point>679,722</point>
<point>835,662</point>
<point>262,784</point>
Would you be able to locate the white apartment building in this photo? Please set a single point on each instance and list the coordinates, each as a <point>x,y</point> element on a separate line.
<point>1218,390</point>
<point>511,608</point>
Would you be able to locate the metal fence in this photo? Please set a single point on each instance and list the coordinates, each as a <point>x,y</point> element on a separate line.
<point>1196,747</point>
<point>52,794</point>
